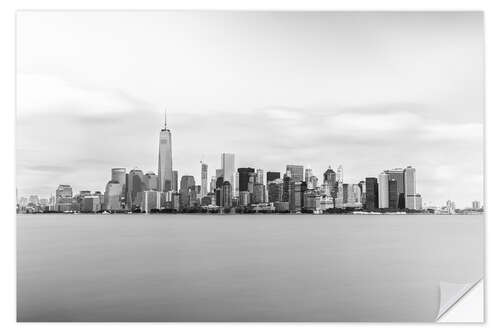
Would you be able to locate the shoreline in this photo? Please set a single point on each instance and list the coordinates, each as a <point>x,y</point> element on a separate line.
<point>255,213</point>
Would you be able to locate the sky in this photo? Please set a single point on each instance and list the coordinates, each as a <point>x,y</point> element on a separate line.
<point>368,90</point>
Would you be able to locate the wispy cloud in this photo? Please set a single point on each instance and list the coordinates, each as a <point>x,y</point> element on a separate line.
<point>49,94</point>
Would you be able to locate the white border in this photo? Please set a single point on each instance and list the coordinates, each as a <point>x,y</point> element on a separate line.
<point>7,241</point>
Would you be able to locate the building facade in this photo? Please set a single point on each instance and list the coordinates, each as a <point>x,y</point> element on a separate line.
<point>258,193</point>
<point>135,187</point>
<point>204,179</point>
<point>152,200</point>
<point>150,181</point>
<point>113,196</point>
<point>227,195</point>
<point>410,189</point>
<point>175,181</point>
<point>228,167</point>
<point>64,198</point>
<point>397,174</point>
<point>187,182</point>
<point>383,190</point>
<point>393,194</point>
<point>272,175</point>
<point>165,171</point>
<point>296,172</point>
<point>244,175</point>
<point>371,194</point>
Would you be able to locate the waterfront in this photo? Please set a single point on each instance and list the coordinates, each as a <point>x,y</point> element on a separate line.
<point>242,267</point>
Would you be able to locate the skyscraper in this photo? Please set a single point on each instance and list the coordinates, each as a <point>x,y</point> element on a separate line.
<point>275,189</point>
<point>175,180</point>
<point>193,197</point>
<point>353,195</point>
<point>252,176</point>
<point>345,193</point>
<point>236,185</point>
<point>119,175</point>
<point>330,179</point>
<point>244,177</point>
<point>418,202</point>
<point>309,178</point>
<point>227,164</point>
<point>64,191</point>
<point>357,193</point>
<point>340,174</point>
<point>308,174</point>
<point>329,176</point>
<point>227,194</point>
<point>371,193</point>
<point>272,175</point>
<point>151,201</point>
<point>187,183</point>
<point>165,173</point>
<point>219,182</point>
<point>287,184</point>
<point>393,194</point>
<point>362,185</point>
<point>150,182</point>
<point>244,197</point>
<point>90,203</point>
<point>296,172</point>
<point>312,200</point>
<point>410,189</point>
<point>296,197</point>
<point>135,188</point>
<point>212,184</point>
<point>313,182</point>
<point>204,179</point>
<point>112,196</point>
<point>258,193</point>
<point>64,198</point>
<point>259,176</point>
<point>383,190</point>
<point>398,175</point>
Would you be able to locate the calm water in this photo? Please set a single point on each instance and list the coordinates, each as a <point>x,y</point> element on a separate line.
<point>241,268</point>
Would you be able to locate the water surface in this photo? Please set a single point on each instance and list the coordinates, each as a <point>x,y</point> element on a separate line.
<point>241,267</point>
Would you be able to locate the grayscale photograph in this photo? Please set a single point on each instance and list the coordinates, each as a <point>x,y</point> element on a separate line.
<point>248,166</point>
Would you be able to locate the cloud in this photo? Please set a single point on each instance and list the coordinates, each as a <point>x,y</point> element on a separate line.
<point>45,94</point>
<point>47,168</point>
<point>463,132</point>
<point>282,113</point>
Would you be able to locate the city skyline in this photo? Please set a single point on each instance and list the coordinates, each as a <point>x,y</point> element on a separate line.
<point>291,101</point>
<point>395,188</point>
<point>228,169</point>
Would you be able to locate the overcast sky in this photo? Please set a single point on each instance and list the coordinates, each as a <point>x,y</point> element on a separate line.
<point>370,91</point>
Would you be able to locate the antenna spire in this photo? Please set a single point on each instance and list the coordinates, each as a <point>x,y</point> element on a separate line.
<point>165,123</point>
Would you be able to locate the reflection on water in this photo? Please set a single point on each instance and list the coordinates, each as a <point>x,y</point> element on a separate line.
<point>241,268</point>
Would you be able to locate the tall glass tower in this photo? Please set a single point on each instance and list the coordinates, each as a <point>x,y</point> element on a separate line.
<point>383,190</point>
<point>410,182</point>
<point>227,164</point>
<point>165,175</point>
<point>204,179</point>
<point>296,172</point>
